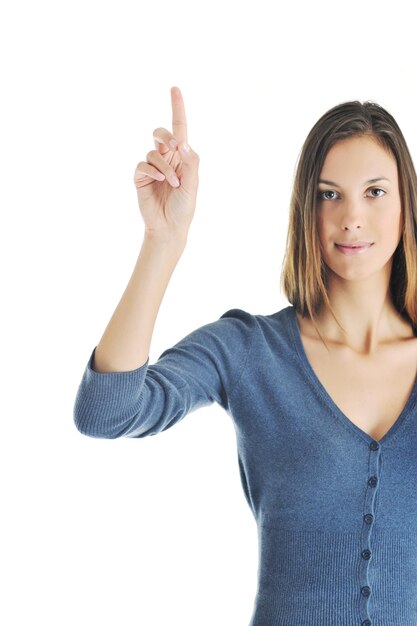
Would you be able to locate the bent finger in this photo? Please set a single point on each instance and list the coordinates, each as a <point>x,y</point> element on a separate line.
<point>146,170</point>
<point>164,140</point>
<point>158,161</point>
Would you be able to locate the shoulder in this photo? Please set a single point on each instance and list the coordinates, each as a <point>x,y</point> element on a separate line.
<point>236,331</point>
<point>270,327</point>
<point>265,345</point>
<point>278,318</point>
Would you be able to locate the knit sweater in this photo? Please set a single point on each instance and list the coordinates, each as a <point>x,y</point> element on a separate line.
<point>336,510</point>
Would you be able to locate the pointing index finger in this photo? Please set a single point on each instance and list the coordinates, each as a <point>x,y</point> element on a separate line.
<point>179,121</point>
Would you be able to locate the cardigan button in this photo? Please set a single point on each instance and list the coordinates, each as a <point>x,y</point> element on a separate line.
<point>367,622</point>
<point>368,518</point>
<point>373,481</point>
<point>366,591</point>
<point>374,445</point>
<point>366,554</point>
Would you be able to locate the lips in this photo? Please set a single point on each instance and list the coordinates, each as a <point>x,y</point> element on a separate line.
<point>353,248</point>
<point>355,244</point>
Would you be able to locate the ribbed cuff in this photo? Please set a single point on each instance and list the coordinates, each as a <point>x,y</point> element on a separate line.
<point>105,399</point>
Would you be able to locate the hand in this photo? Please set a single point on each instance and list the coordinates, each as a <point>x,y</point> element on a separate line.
<point>167,206</point>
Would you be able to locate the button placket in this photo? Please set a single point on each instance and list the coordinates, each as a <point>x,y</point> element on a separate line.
<point>368,521</point>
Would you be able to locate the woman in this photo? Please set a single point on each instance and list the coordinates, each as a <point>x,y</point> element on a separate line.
<point>322,393</point>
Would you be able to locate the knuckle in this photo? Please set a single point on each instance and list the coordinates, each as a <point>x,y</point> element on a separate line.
<point>161,132</point>
<point>141,166</point>
<point>151,155</point>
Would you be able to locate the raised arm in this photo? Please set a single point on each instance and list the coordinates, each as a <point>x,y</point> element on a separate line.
<point>166,185</point>
<point>120,393</point>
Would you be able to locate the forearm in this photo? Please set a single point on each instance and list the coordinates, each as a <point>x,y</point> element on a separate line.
<point>126,340</point>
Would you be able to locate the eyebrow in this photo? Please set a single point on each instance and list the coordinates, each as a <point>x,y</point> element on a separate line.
<point>371,180</point>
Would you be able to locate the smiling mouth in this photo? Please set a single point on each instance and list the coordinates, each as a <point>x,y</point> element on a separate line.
<point>351,249</point>
<point>353,245</point>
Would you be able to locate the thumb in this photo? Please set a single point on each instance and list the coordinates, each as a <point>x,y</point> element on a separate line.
<point>189,169</point>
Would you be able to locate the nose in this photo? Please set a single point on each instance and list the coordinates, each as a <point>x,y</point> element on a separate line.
<point>351,216</point>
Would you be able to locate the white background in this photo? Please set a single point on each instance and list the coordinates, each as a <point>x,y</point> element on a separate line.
<point>153,531</point>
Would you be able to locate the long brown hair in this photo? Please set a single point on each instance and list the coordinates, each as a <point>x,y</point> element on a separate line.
<point>304,271</point>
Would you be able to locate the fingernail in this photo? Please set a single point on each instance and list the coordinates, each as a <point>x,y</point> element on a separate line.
<point>175,181</point>
<point>185,147</point>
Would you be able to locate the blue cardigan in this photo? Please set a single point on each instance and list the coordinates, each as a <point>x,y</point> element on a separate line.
<point>336,510</point>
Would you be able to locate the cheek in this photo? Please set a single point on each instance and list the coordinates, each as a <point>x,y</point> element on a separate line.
<point>393,225</point>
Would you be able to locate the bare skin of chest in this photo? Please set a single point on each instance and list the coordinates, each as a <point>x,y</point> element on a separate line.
<point>371,390</point>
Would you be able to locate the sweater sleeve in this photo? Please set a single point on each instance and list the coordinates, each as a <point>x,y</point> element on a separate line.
<point>204,367</point>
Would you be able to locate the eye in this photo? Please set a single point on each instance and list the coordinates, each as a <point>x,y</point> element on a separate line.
<point>321,194</point>
<point>377,189</point>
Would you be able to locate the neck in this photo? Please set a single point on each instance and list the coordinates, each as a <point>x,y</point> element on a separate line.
<point>365,310</point>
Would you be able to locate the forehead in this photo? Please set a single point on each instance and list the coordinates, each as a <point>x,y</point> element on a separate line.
<point>356,157</point>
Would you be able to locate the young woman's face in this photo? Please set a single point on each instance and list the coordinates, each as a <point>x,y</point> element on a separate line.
<point>353,209</point>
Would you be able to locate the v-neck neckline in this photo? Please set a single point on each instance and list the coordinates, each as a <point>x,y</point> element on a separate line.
<point>296,333</point>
